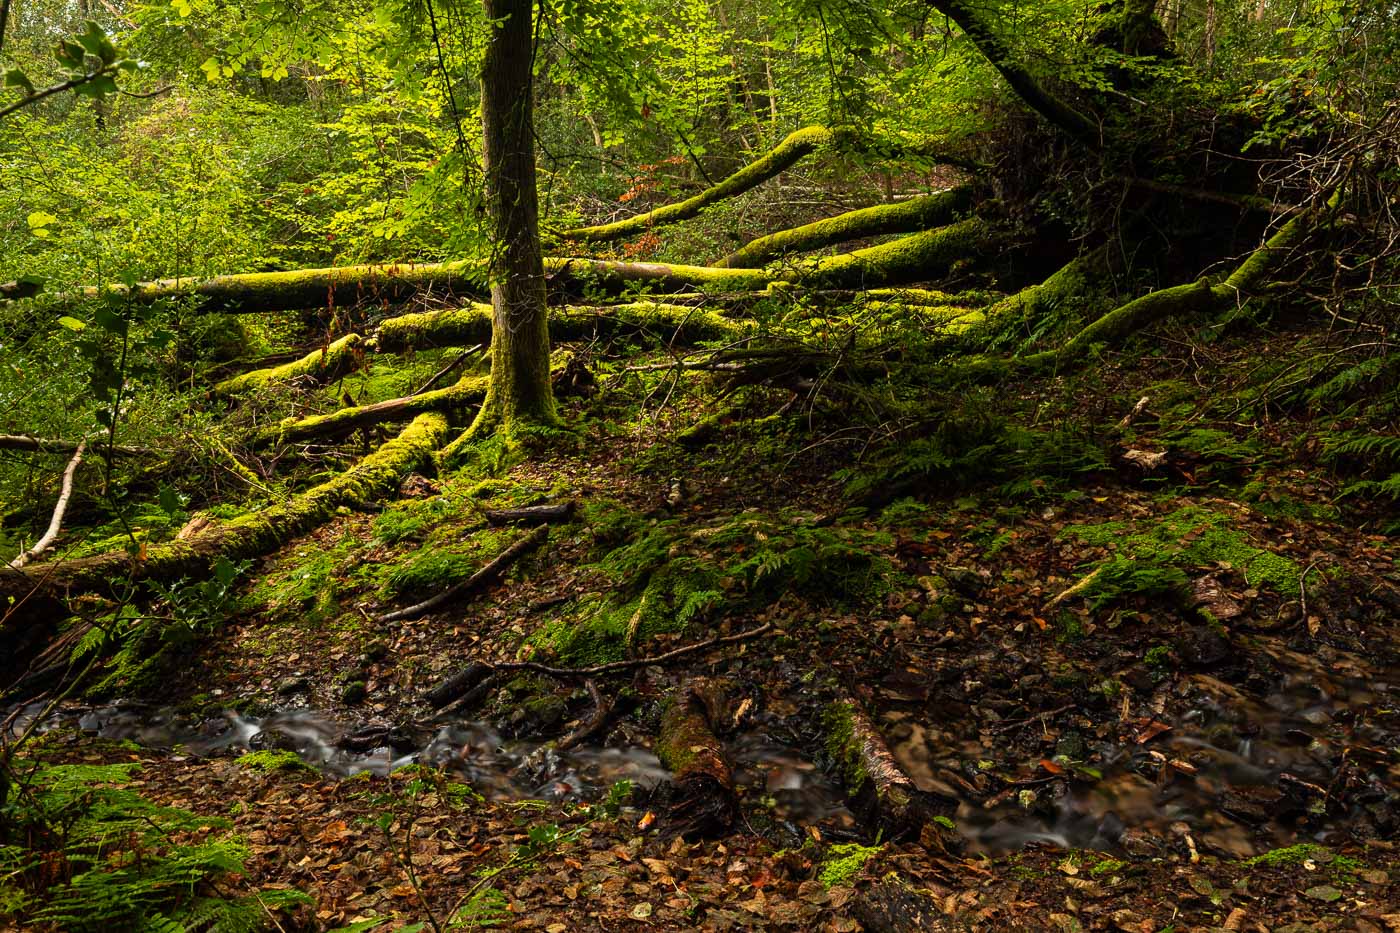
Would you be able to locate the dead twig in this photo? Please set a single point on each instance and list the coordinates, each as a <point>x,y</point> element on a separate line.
<point>482,577</point>
<point>55,523</point>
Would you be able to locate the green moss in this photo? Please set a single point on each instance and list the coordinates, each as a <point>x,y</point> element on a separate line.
<point>269,761</point>
<point>428,571</point>
<point>838,725</point>
<point>1152,556</point>
<point>1158,656</point>
<point>1107,866</point>
<point>919,213</point>
<point>321,365</point>
<point>908,259</point>
<point>1290,856</point>
<point>844,862</point>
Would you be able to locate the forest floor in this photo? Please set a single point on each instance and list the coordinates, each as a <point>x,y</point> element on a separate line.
<point>1202,736</point>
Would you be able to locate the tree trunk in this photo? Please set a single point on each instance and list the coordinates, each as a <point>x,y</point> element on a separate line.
<point>520,390</point>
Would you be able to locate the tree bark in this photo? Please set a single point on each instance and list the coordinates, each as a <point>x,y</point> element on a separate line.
<point>324,365</point>
<point>520,390</point>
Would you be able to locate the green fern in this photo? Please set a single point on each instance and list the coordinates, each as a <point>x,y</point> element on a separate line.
<point>1346,384</point>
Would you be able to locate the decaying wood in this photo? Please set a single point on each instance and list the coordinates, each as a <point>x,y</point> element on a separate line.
<point>458,684</point>
<point>324,364</point>
<point>893,905</point>
<point>483,577</point>
<point>879,791</point>
<point>56,522</point>
<point>532,514</point>
<point>701,776</point>
<point>593,723</point>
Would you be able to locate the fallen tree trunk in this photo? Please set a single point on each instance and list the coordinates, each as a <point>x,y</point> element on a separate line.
<point>880,793</point>
<point>781,157</point>
<point>56,522</point>
<point>324,365</point>
<point>468,391</point>
<point>48,445</point>
<point>909,216</point>
<point>702,780</point>
<point>532,514</point>
<point>246,536</point>
<point>471,324</point>
<point>257,292</point>
<point>1197,297</point>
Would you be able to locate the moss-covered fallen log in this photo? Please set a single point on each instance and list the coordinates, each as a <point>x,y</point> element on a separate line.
<point>879,791</point>
<point>327,364</point>
<point>471,324</point>
<point>703,799</point>
<point>777,160</point>
<point>915,214</point>
<point>920,257</point>
<point>262,292</point>
<point>468,392</point>
<point>1201,296</point>
<point>246,536</point>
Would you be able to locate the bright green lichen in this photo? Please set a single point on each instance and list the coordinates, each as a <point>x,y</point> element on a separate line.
<point>844,862</point>
<point>321,365</point>
<point>271,760</point>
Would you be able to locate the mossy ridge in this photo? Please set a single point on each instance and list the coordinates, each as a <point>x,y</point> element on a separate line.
<point>271,760</point>
<point>1188,538</point>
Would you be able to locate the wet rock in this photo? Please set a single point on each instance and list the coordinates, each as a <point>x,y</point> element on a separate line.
<point>1139,677</point>
<point>272,740</point>
<point>354,693</point>
<point>1072,746</point>
<point>1252,805</point>
<point>1140,843</point>
<point>417,486</point>
<point>965,580</point>
<point>1204,647</point>
<point>293,685</point>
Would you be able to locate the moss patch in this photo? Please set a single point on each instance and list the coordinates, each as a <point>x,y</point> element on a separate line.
<point>844,862</point>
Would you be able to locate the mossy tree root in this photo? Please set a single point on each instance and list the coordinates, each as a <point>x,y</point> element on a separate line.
<point>471,324</point>
<point>777,160</point>
<point>880,793</point>
<point>701,775</point>
<point>915,214</point>
<point>319,366</point>
<point>468,392</point>
<point>246,536</point>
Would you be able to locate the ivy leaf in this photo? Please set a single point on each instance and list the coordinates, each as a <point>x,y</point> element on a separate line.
<point>71,323</point>
<point>94,40</point>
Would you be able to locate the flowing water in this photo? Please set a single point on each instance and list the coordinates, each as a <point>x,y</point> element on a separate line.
<point>1237,773</point>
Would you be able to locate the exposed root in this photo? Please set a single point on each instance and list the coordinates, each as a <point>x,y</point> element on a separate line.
<point>482,578</point>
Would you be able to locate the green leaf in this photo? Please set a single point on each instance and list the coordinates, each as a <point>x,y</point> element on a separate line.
<point>98,86</point>
<point>109,321</point>
<point>183,7</point>
<point>16,78</point>
<point>70,55</point>
<point>71,323</point>
<point>39,223</point>
<point>94,40</point>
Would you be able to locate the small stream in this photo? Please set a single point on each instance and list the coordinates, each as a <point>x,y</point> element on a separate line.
<point>1238,773</point>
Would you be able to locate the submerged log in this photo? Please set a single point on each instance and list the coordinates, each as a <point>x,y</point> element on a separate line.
<point>324,365</point>
<point>879,791</point>
<point>246,536</point>
<point>701,776</point>
<point>915,214</point>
